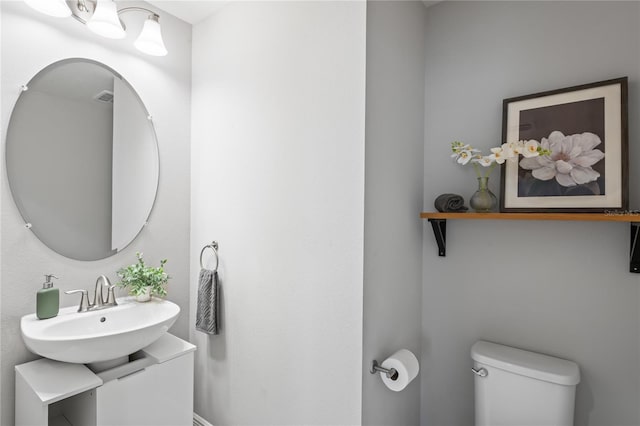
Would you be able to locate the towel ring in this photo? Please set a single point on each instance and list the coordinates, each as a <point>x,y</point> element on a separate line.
<point>213,246</point>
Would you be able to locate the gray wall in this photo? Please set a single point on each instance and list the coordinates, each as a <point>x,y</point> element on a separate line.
<point>30,41</point>
<point>49,152</point>
<point>560,288</point>
<point>393,198</point>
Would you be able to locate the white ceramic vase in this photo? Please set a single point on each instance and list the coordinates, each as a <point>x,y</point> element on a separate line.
<point>146,296</point>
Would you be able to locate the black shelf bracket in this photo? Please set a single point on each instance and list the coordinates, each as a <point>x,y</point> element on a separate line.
<point>634,248</point>
<point>440,232</point>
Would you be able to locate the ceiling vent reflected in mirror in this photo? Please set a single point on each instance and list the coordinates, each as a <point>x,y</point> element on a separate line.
<point>105,96</point>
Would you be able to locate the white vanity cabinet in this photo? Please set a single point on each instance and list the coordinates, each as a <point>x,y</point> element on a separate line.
<point>160,394</point>
<point>44,387</point>
<point>154,388</point>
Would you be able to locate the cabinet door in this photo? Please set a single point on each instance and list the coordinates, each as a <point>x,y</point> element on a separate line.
<point>159,395</point>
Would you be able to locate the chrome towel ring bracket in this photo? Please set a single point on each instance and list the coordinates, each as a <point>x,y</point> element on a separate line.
<point>213,246</point>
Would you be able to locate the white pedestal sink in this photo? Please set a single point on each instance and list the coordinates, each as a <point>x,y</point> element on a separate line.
<point>96,336</point>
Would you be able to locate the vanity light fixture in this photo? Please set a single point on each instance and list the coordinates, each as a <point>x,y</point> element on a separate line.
<point>104,20</point>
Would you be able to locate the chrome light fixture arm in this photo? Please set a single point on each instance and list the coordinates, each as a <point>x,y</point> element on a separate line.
<point>81,5</point>
<point>138,9</point>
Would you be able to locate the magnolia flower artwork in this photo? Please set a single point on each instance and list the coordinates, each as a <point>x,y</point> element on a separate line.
<point>570,160</point>
<point>567,170</point>
<point>585,133</point>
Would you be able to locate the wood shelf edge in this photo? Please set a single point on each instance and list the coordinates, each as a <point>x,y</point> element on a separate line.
<point>593,217</point>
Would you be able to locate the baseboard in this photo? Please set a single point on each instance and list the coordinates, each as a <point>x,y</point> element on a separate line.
<point>199,421</point>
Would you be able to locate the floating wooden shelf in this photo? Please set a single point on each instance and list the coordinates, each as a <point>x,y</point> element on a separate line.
<point>439,224</point>
<point>590,217</point>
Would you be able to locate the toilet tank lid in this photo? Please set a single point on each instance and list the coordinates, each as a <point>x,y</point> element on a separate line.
<point>525,363</point>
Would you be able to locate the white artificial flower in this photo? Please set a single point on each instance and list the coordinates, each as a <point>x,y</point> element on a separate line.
<point>570,160</point>
<point>463,153</point>
<point>512,149</point>
<point>498,155</point>
<point>458,147</point>
<point>485,161</point>
<point>506,152</point>
<point>464,157</point>
<point>518,147</point>
<point>531,149</point>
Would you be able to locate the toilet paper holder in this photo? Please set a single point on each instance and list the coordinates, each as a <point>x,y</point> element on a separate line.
<point>391,373</point>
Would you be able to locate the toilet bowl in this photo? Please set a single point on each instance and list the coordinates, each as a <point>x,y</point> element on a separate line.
<point>518,387</point>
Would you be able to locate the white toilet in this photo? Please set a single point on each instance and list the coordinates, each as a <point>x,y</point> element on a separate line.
<point>514,387</point>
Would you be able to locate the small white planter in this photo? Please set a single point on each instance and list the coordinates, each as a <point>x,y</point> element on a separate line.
<point>146,296</point>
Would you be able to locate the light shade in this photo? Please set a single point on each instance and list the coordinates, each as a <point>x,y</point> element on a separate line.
<point>150,39</point>
<point>57,8</point>
<point>105,21</point>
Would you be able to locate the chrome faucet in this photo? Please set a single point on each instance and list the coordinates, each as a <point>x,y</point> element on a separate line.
<point>99,301</point>
<point>98,298</point>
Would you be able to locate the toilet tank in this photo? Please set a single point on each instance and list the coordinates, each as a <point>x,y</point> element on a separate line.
<point>522,388</point>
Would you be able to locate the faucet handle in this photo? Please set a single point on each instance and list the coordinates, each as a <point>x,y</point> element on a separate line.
<point>111,296</point>
<point>84,299</point>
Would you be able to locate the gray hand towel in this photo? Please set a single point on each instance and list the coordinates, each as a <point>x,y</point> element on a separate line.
<point>208,310</point>
<point>450,203</point>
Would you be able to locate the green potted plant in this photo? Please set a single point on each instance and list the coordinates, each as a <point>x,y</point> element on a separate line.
<point>144,281</point>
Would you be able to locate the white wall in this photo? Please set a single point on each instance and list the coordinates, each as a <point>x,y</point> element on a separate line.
<point>555,287</point>
<point>135,174</point>
<point>278,180</point>
<point>393,198</point>
<point>30,41</point>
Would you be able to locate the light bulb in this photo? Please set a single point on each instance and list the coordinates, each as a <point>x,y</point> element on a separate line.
<point>105,21</point>
<point>150,39</point>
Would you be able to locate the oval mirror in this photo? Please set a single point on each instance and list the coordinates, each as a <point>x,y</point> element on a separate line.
<point>82,159</point>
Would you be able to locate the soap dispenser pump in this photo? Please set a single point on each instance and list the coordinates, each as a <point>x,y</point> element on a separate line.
<point>47,299</point>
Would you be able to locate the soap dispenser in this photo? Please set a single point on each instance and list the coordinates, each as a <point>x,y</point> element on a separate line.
<point>47,299</point>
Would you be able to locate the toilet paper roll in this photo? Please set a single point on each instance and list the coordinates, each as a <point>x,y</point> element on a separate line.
<point>406,364</point>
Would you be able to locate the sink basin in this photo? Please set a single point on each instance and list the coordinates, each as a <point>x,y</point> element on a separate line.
<point>95,336</point>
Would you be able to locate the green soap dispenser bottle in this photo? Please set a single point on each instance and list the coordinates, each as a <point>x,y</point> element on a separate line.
<point>47,299</point>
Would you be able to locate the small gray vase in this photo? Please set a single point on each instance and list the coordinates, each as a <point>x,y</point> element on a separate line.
<point>483,200</point>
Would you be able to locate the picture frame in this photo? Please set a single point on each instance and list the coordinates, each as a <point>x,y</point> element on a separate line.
<point>586,129</point>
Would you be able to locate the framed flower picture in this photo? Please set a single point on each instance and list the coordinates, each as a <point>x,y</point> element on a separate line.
<point>585,129</point>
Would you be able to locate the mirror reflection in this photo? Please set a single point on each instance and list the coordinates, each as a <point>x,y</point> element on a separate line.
<point>82,159</point>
